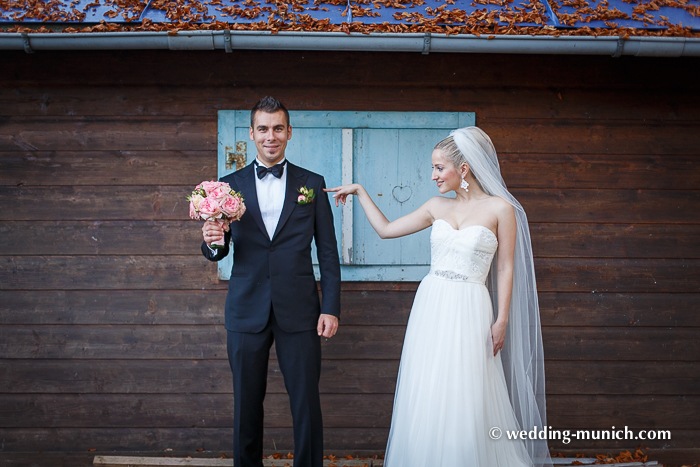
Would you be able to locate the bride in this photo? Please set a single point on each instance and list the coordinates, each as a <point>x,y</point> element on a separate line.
<point>465,378</point>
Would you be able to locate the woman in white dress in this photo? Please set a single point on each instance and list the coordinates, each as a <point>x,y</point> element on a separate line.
<point>466,378</point>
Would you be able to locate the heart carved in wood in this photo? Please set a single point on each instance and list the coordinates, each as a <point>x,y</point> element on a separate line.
<point>401,193</point>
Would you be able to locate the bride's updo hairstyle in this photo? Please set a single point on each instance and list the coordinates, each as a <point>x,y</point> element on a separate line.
<point>522,355</point>
<point>450,151</point>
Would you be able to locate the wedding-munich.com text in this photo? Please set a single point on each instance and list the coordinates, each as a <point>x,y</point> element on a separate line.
<point>547,433</point>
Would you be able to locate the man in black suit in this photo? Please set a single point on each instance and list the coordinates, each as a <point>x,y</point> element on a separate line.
<point>272,292</point>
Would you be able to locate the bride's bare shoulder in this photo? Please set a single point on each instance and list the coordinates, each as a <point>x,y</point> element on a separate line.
<point>500,207</point>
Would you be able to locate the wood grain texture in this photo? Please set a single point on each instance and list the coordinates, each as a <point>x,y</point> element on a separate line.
<point>175,342</point>
<point>178,438</point>
<point>37,376</point>
<point>621,344</point>
<point>144,168</point>
<point>180,410</point>
<point>196,273</point>
<point>517,101</point>
<point>339,411</point>
<point>614,240</point>
<point>353,342</point>
<point>104,203</point>
<point>107,134</point>
<point>183,237</point>
<point>360,307</point>
<point>307,68</point>
<point>133,168</point>
<point>97,158</point>
<point>47,376</point>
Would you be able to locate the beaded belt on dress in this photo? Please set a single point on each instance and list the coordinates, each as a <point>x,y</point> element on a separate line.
<point>453,276</point>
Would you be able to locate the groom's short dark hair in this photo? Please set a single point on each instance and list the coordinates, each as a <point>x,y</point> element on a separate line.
<point>268,105</point>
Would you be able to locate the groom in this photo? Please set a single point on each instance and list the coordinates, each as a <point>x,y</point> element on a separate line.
<point>272,293</point>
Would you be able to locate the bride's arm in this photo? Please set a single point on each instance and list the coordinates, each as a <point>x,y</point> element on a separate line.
<point>416,221</point>
<point>507,228</point>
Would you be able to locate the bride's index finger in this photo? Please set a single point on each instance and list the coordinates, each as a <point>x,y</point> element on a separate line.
<point>332,189</point>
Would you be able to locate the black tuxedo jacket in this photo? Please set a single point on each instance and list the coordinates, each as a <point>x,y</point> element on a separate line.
<point>278,273</point>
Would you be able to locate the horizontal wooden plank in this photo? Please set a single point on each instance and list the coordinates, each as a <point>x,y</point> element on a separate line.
<point>559,136</point>
<point>176,342</point>
<point>99,203</point>
<point>108,272</point>
<point>614,240</point>
<point>668,171</point>
<point>619,309</point>
<point>609,206</point>
<point>183,238</point>
<point>51,168</point>
<point>182,438</point>
<point>179,410</point>
<point>133,168</point>
<point>340,69</point>
<point>100,237</point>
<point>42,376</point>
<point>351,343</point>
<point>617,275</point>
<point>636,412</point>
<point>487,101</point>
<point>180,376</point>
<point>622,378</point>
<point>107,134</point>
<point>621,344</point>
<point>360,307</point>
<point>339,411</point>
<point>104,203</point>
<point>195,272</point>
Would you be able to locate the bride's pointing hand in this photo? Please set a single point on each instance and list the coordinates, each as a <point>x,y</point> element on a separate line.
<point>342,192</point>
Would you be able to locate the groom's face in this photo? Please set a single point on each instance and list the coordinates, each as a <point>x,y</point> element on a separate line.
<point>270,131</point>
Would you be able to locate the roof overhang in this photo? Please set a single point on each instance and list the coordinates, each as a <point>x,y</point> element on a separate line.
<point>376,42</point>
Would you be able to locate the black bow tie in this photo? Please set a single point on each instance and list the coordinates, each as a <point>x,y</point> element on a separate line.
<point>275,170</point>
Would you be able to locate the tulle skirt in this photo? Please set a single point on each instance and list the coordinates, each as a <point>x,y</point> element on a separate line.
<point>451,390</point>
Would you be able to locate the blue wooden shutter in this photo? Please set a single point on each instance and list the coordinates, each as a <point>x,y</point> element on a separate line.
<point>387,152</point>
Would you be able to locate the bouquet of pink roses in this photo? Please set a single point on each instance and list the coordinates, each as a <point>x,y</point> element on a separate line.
<point>216,201</point>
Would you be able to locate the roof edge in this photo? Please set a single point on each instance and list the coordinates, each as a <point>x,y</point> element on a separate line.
<point>356,42</point>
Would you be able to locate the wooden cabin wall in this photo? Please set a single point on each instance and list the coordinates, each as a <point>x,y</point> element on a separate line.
<point>111,334</point>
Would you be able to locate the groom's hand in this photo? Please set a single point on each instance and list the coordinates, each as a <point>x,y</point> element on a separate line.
<point>212,231</point>
<point>327,326</point>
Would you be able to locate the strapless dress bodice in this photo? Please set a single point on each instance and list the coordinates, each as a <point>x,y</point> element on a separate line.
<point>463,254</point>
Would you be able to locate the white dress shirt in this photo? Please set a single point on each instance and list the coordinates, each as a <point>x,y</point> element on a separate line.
<point>271,191</point>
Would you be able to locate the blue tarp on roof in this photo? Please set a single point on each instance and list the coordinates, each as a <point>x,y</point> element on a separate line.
<point>643,14</point>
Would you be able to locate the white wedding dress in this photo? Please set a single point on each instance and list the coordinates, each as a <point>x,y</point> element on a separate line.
<point>451,390</point>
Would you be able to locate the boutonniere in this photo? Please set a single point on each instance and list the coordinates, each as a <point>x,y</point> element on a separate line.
<point>306,195</point>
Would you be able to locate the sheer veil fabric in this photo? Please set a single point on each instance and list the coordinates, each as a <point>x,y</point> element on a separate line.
<point>522,354</point>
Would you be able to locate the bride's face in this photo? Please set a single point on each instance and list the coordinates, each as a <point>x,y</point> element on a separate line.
<point>445,174</point>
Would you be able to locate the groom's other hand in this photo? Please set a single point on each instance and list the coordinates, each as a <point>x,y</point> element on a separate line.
<point>327,326</point>
<point>212,231</point>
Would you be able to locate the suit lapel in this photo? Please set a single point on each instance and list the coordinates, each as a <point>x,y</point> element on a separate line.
<point>246,182</point>
<point>295,180</point>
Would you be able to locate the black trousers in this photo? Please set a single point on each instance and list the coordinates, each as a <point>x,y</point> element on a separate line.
<point>299,357</point>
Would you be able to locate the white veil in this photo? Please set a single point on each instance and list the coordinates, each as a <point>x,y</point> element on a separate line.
<point>522,354</point>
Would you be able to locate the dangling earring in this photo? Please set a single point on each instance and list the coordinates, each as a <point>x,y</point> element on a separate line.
<point>464,185</point>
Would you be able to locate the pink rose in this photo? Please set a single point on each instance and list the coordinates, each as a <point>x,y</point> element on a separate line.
<point>210,186</point>
<point>300,199</point>
<point>220,192</point>
<point>193,211</point>
<point>208,208</point>
<point>230,205</point>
